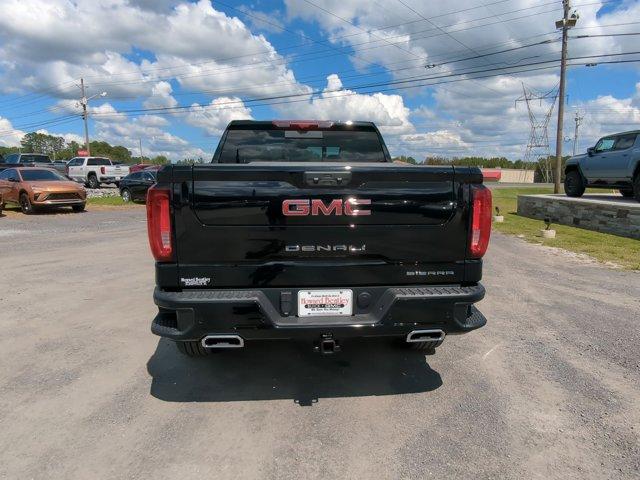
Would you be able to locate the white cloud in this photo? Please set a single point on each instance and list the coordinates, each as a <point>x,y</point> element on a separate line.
<point>479,116</point>
<point>335,103</point>
<point>68,137</point>
<point>9,136</point>
<point>436,139</point>
<point>44,43</point>
<point>161,96</point>
<point>216,116</point>
<point>605,115</point>
<point>117,129</point>
<point>152,121</point>
<point>268,22</point>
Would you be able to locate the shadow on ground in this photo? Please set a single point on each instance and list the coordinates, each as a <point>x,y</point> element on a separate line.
<point>43,211</point>
<point>283,370</point>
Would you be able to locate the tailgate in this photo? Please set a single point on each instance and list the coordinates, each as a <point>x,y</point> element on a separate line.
<point>319,224</point>
<point>117,170</point>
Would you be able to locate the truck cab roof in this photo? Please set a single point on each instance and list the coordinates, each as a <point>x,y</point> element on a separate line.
<point>302,124</point>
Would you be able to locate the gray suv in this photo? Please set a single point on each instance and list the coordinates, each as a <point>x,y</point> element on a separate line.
<point>613,163</point>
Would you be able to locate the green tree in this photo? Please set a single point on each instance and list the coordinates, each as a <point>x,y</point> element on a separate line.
<point>190,161</point>
<point>116,154</point>
<point>42,143</point>
<point>159,160</point>
<point>4,151</point>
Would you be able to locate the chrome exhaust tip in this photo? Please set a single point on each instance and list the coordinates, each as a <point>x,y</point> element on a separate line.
<point>223,341</point>
<point>435,335</point>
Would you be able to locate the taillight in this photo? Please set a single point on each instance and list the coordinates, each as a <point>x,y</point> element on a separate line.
<point>159,224</point>
<point>103,170</point>
<point>480,220</point>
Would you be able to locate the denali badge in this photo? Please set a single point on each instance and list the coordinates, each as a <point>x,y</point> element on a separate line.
<point>315,206</point>
<point>325,248</point>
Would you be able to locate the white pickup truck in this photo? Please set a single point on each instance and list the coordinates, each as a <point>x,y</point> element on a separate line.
<point>93,171</point>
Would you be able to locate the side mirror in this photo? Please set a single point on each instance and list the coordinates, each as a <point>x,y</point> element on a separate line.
<point>591,151</point>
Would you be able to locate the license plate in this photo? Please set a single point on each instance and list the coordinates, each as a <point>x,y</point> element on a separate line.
<point>325,302</point>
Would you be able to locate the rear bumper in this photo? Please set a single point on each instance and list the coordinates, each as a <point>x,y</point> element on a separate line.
<point>258,314</point>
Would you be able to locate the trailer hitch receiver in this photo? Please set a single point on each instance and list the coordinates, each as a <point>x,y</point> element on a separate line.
<point>327,345</point>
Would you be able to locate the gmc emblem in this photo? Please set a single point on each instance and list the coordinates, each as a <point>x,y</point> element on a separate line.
<point>315,207</point>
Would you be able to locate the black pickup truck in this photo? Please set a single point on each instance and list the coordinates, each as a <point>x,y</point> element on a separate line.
<point>307,230</point>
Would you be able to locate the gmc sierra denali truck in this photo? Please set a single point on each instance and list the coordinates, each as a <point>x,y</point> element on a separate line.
<point>306,230</point>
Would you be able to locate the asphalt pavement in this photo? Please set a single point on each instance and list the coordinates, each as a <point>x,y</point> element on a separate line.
<point>550,388</point>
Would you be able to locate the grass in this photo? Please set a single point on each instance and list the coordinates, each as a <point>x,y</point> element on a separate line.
<point>115,201</point>
<point>604,247</point>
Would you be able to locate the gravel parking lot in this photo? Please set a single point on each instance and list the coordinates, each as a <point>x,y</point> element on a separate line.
<point>550,388</point>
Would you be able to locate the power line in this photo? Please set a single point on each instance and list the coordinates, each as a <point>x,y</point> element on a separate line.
<point>386,83</point>
<point>605,35</point>
<point>393,84</point>
<point>358,27</point>
<point>254,65</point>
<point>319,77</point>
<point>42,93</point>
<point>259,65</point>
<point>315,42</point>
<point>283,99</point>
<point>419,85</point>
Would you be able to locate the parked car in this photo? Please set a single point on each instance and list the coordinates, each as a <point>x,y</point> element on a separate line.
<point>94,171</point>
<point>33,187</point>
<point>307,230</point>
<point>134,186</point>
<point>614,162</point>
<point>61,166</point>
<point>26,160</point>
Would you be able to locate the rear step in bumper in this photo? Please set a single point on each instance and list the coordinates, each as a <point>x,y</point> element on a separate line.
<point>255,314</point>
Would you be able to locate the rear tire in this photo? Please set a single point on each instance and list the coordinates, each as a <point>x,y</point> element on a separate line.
<point>25,204</point>
<point>93,182</point>
<point>126,195</point>
<point>626,192</point>
<point>192,349</point>
<point>573,184</point>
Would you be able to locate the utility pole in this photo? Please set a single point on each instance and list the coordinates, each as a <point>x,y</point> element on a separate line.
<point>565,24</point>
<point>84,101</point>
<point>578,119</point>
<point>141,157</point>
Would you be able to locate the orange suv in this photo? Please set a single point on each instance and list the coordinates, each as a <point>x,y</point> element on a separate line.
<point>32,188</point>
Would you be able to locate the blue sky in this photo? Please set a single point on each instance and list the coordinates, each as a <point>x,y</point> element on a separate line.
<point>433,75</point>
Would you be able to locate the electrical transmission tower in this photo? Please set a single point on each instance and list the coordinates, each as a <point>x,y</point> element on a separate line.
<point>538,144</point>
